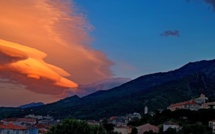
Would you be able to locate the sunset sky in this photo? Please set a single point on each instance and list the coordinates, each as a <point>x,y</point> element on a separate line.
<point>48,48</point>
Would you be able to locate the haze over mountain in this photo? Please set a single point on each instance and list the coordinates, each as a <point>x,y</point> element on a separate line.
<point>101,85</point>
<point>157,91</point>
<point>33,104</point>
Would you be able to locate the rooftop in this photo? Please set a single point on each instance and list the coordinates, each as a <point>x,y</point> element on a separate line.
<point>12,126</point>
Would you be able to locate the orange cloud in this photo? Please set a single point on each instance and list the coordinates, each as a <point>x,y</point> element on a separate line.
<point>49,32</point>
<point>54,28</point>
<point>27,63</point>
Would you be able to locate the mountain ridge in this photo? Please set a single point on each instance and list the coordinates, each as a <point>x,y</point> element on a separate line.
<point>30,105</point>
<point>138,91</point>
<point>104,84</point>
<point>157,91</point>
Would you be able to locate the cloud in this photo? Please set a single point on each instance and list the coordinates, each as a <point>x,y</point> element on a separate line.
<point>52,39</point>
<point>171,33</point>
<point>210,2</point>
<point>12,95</point>
<point>26,66</point>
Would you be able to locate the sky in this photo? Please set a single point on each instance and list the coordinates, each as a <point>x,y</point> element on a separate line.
<point>48,48</point>
<point>128,32</point>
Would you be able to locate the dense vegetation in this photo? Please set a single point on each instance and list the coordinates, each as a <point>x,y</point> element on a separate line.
<point>11,112</point>
<point>72,126</point>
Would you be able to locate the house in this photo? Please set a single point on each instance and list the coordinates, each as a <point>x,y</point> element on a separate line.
<point>43,128</point>
<point>201,99</point>
<point>208,105</point>
<point>93,122</point>
<point>41,119</point>
<point>18,126</point>
<point>134,115</point>
<point>211,124</point>
<point>122,129</point>
<point>20,121</point>
<point>27,121</point>
<point>118,120</point>
<point>10,128</point>
<point>46,120</point>
<point>191,105</point>
<point>146,128</point>
<point>172,125</point>
<point>38,117</point>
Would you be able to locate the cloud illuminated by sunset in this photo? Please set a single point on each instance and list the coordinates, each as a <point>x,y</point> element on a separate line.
<point>27,63</point>
<point>44,41</point>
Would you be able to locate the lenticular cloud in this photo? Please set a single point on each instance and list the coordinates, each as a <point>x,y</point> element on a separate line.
<point>42,42</point>
<point>25,65</point>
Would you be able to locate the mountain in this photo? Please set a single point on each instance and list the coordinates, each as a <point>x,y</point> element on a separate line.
<point>102,85</point>
<point>157,91</point>
<point>30,105</point>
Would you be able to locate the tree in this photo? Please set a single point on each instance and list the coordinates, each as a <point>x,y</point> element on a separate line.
<point>195,129</point>
<point>134,122</point>
<point>109,127</point>
<point>170,131</point>
<point>149,132</point>
<point>72,126</point>
<point>134,131</point>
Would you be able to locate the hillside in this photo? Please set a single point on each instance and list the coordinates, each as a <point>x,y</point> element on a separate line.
<point>157,91</point>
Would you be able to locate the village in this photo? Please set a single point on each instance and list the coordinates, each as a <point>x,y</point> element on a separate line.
<point>37,124</point>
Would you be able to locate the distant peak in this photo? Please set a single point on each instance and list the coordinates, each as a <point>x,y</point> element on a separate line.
<point>33,104</point>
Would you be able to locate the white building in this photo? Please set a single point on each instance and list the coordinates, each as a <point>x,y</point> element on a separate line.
<point>201,99</point>
<point>39,117</point>
<point>212,125</point>
<point>132,116</point>
<point>172,125</point>
<point>118,120</point>
<point>146,110</point>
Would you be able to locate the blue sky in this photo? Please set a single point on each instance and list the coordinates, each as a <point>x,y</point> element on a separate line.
<point>128,32</point>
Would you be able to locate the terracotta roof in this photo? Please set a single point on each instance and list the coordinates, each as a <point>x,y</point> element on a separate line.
<point>43,126</point>
<point>148,127</point>
<point>12,126</point>
<point>190,102</point>
<point>113,117</point>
